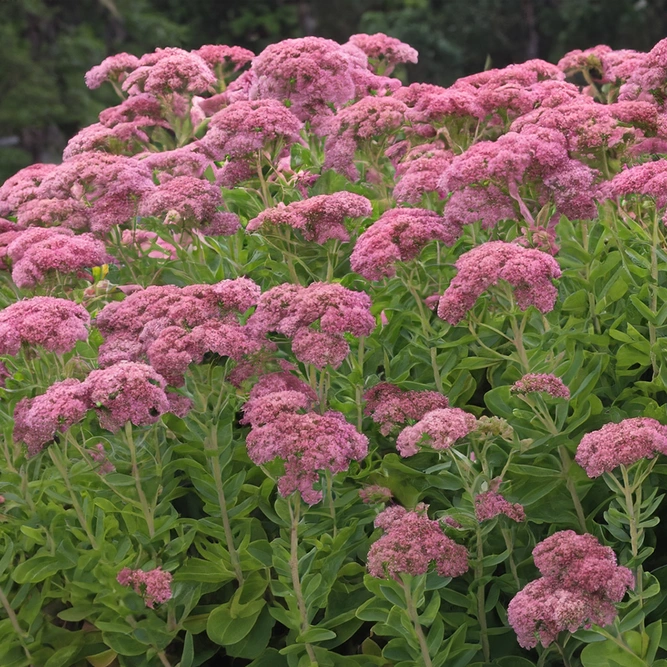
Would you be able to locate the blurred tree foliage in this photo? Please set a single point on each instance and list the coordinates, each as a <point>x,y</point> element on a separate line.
<point>47,45</point>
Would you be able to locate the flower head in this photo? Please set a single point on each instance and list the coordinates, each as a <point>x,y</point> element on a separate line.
<point>153,586</point>
<point>113,68</point>
<point>22,186</point>
<point>375,494</point>
<point>439,428</point>
<point>541,382</point>
<point>490,504</point>
<point>384,52</point>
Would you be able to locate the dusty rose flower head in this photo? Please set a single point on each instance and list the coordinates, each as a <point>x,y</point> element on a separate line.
<point>490,504</point>
<point>411,544</point>
<point>113,68</point>
<point>153,586</point>
<point>4,373</point>
<point>248,126</point>
<point>149,244</point>
<point>143,110</point>
<point>308,443</point>
<point>193,201</point>
<point>390,406</point>
<point>22,186</point>
<point>529,271</point>
<point>68,213</point>
<point>439,429</point>
<point>541,382</point>
<point>624,444</point>
<point>319,218</point>
<point>419,173</point>
<point>384,52</point>
<point>398,235</point>
<point>38,420</point>
<point>281,381</point>
<point>190,160</point>
<point>55,324</point>
<point>221,54</point>
<point>375,494</point>
<point>99,455</point>
<point>648,179</point>
<point>486,205</point>
<point>647,76</point>
<point>266,408</point>
<point>121,139</point>
<point>589,60</point>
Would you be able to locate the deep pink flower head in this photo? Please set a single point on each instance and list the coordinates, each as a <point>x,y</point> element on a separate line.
<point>439,429</point>
<point>127,391</point>
<point>38,420</point>
<point>419,172</point>
<point>266,408</point>
<point>190,201</point>
<point>529,271</point>
<point>114,68</point>
<point>375,494</point>
<point>648,179</point>
<point>55,324</point>
<point>319,218</point>
<point>411,544</point>
<point>490,504</point>
<point>384,52</point>
<point>648,76</point>
<point>143,110</point>
<point>541,382</point>
<point>22,186</point>
<point>68,213</point>
<point>308,443</point>
<point>586,60</point>
<point>56,252</point>
<point>398,235</point>
<point>245,127</point>
<point>624,443</point>
<point>154,586</point>
<point>390,406</point>
<point>487,205</point>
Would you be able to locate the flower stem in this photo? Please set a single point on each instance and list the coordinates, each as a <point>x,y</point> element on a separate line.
<point>566,463</point>
<point>330,499</point>
<point>146,509</point>
<point>414,617</point>
<point>481,612</point>
<point>635,533</point>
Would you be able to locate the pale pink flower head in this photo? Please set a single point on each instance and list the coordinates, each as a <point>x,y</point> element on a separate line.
<point>173,73</point>
<point>419,173</point>
<point>529,271</point>
<point>22,186</point>
<point>37,421</point>
<point>266,408</point>
<point>114,68</point>
<point>541,382</point>
<point>278,382</point>
<point>439,429</point>
<point>149,244</point>
<point>649,179</point>
<point>190,160</point>
<point>384,52</point>
<point>221,54</point>
<point>68,213</point>
<point>390,406</point>
<point>190,201</point>
<point>245,127</point>
<point>375,494</point>
<point>412,543</point>
<point>318,218</point>
<point>399,235</point>
<point>648,76</point>
<point>153,586</point>
<point>54,324</point>
<point>624,444</point>
<point>307,443</point>
<point>588,60</point>
<point>121,139</point>
<point>490,504</point>
<point>143,109</point>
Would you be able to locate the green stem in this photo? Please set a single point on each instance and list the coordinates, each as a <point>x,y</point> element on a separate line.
<point>652,329</point>
<point>13,619</point>
<point>566,463</point>
<point>436,370</point>
<point>330,500</point>
<point>635,532</point>
<point>481,612</point>
<point>145,507</point>
<point>414,617</point>
<point>509,544</point>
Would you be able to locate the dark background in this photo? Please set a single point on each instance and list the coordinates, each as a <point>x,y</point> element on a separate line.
<point>46,46</point>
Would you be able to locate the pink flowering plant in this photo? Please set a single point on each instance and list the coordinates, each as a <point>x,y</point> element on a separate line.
<point>303,366</point>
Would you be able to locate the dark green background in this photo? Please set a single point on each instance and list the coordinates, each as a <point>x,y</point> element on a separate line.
<point>47,45</point>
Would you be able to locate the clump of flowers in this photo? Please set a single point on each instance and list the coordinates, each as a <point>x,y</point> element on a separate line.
<point>114,68</point>
<point>398,235</point>
<point>375,494</point>
<point>619,444</point>
<point>390,406</point>
<point>99,455</point>
<point>54,324</point>
<point>580,586</point>
<point>68,213</point>
<point>153,586</point>
<point>318,218</point>
<point>384,52</point>
<point>543,383</point>
<point>419,172</point>
<point>22,186</point>
<point>438,429</point>
<point>528,270</point>
<point>490,504</point>
<point>411,544</point>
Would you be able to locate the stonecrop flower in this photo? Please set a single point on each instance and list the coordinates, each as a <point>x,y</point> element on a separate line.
<point>398,235</point>
<point>411,544</point>
<point>528,270</point>
<point>375,494</point>
<point>193,202</point>
<point>54,324</point>
<point>22,186</point>
<point>318,218</point>
<point>114,68</point>
<point>580,586</point>
<point>99,455</point>
<point>619,444</point>
<point>490,504</point>
<point>307,443</point>
<point>647,76</point>
<point>541,382</point>
<point>390,406</point>
<point>439,429</point>
<point>419,172</point>
<point>649,179</point>
<point>384,52</point>
<point>153,586</point>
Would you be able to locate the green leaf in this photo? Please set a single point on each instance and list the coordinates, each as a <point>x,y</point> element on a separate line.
<point>188,655</point>
<point>123,644</point>
<point>63,657</point>
<point>39,568</point>
<point>609,654</point>
<point>224,628</point>
<point>314,635</point>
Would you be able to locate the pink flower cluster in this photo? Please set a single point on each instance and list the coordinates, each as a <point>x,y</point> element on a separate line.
<point>375,494</point>
<point>390,406</point>
<point>541,382</point>
<point>411,543</point>
<point>99,455</point>
<point>293,310</point>
<point>648,179</point>
<point>580,585</point>
<point>419,172</point>
<point>54,324</point>
<point>619,444</point>
<point>124,392</point>
<point>172,327</point>
<point>153,586</point>
<point>22,186</point>
<point>308,442</point>
<point>439,429</point>
<point>318,218</point>
<point>398,235</point>
<point>384,52</point>
<point>529,271</point>
<point>646,76</point>
<point>490,504</point>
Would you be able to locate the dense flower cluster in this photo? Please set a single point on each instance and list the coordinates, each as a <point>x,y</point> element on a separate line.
<point>541,382</point>
<point>580,585</point>
<point>375,494</point>
<point>411,543</point>
<point>439,429</point>
<point>490,504</point>
<point>153,586</point>
<point>384,52</point>
<point>619,444</point>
